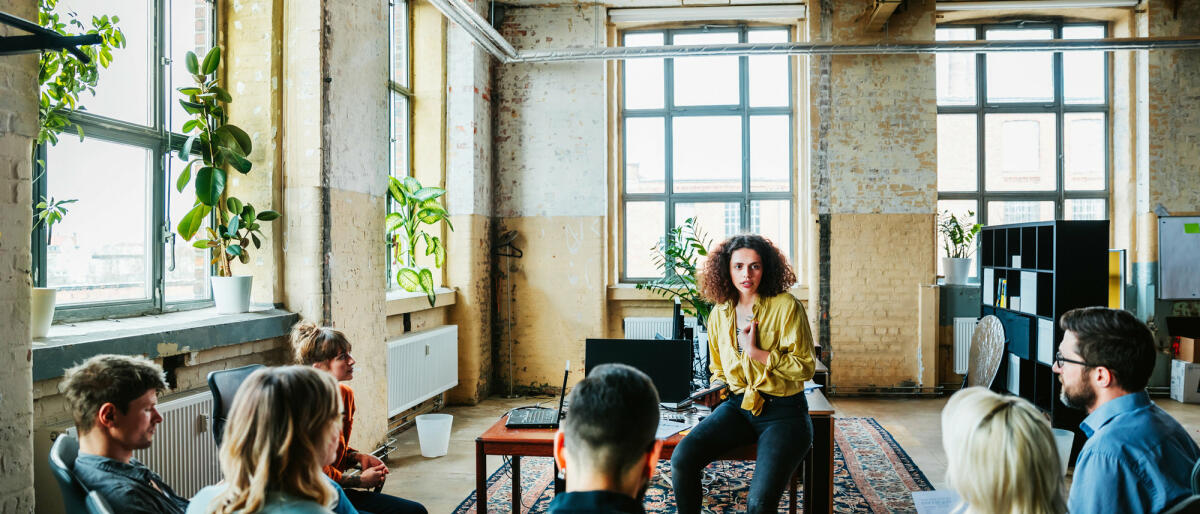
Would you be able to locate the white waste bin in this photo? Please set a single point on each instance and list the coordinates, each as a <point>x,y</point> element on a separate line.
<point>1063,439</point>
<point>433,430</point>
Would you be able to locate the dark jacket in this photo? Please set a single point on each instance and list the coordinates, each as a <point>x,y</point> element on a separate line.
<point>595,502</point>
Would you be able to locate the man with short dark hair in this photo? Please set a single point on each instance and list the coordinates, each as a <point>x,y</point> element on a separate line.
<point>113,400</point>
<point>606,445</point>
<point>1137,458</point>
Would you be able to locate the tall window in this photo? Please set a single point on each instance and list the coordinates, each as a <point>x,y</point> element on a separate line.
<point>1022,136</point>
<point>705,137</point>
<point>399,104</point>
<point>114,253</point>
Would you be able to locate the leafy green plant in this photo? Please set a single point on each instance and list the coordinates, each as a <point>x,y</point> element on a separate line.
<point>675,257</point>
<point>416,205</point>
<point>957,240</point>
<point>62,76</point>
<point>221,145</point>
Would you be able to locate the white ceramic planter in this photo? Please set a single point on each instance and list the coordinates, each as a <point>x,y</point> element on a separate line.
<point>43,310</point>
<point>232,294</point>
<point>956,270</point>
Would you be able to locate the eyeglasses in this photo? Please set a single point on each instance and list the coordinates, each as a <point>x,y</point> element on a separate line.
<point>1059,360</point>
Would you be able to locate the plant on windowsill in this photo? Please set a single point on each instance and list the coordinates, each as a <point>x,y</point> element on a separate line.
<point>221,146</point>
<point>62,78</point>
<point>675,257</point>
<point>416,205</point>
<point>959,243</point>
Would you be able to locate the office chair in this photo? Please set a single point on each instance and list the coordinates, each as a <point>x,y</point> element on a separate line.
<point>97,504</point>
<point>224,385</point>
<point>62,465</point>
<point>1189,505</point>
<point>1196,478</point>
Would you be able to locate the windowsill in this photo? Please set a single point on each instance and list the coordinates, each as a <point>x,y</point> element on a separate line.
<point>156,335</point>
<point>403,302</point>
<point>628,292</point>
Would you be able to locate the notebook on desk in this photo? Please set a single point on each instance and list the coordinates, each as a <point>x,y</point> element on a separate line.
<point>540,417</point>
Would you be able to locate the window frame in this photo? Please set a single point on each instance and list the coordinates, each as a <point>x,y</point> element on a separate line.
<point>163,144</point>
<point>668,198</point>
<point>395,91</point>
<point>1058,107</point>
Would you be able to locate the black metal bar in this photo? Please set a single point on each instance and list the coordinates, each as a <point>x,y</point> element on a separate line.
<point>42,39</point>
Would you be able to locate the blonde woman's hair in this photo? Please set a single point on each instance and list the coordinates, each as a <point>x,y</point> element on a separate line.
<point>312,343</point>
<point>276,438</point>
<point>1001,454</point>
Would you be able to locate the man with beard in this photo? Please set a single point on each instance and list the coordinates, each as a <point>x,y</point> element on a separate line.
<point>606,445</point>
<point>1137,458</point>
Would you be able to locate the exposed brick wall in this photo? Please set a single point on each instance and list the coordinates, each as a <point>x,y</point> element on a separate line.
<point>18,125</point>
<point>1174,109</point>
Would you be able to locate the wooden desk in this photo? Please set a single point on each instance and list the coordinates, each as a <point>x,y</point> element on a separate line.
<point>539,442</point>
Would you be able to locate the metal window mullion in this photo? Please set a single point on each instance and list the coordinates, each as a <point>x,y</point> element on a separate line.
<point>158,165</point>
<point>744,112</point>
<point>1060,143</point>
<point>38,245</point>
<point>980,133</point>
<point>668,137</point>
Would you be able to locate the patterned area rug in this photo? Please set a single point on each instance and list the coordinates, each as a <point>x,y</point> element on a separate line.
<point>871,473</point>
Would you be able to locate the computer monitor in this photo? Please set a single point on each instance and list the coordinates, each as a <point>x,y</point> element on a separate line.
<point>668,362</point>
<point>677,321</point>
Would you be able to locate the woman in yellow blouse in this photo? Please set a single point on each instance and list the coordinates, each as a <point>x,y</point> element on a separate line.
<point>761,346</point>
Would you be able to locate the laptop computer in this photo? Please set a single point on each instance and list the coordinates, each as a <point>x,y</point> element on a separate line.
<point>540,417</point>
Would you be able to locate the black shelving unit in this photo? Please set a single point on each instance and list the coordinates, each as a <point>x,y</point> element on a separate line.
<point>1031,274</point>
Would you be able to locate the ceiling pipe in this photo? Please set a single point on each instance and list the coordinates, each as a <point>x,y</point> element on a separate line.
<point>1031,5</point>
<point>479,29</point>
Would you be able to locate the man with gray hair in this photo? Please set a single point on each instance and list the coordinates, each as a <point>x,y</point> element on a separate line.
<point>606,445</point>
<point>113,400</point>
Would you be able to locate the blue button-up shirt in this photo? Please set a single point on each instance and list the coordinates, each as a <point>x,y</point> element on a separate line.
<point>1137,459</point>
<point>128,487</point>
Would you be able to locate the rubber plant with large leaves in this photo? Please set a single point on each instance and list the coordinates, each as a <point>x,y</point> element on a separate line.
<point>415,206</point>
<point>219,146</point>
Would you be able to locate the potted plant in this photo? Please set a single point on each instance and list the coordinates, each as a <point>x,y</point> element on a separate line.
<point>50,211</point>
<point>676,258</point>
<point>959,243</point>
<point>220,146</point>
<point>416,205</point>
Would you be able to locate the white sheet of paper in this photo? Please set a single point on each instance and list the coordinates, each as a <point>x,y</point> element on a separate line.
<point>941,501</point>
<point>668,428</point>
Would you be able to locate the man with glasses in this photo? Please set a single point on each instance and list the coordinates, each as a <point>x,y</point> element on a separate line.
<point>1137,458</point>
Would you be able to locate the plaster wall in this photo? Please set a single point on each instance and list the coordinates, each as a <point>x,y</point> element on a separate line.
<point>1174,110</point>
<point>18,126</point>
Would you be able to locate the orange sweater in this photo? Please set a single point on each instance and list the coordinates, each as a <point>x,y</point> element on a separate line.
<point>342,462</point>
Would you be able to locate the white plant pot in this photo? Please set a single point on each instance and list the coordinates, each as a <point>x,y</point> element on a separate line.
<point>956,270</point>
<point>43,311</point>
<point>232,294</point>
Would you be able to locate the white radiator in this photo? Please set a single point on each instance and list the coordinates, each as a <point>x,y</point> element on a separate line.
<point>647,328</point>
<point>421,365</point>
<point>184,452</point>
<point>964,330</point>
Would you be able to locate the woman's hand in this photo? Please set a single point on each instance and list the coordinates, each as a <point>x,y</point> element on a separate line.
<point>751,347</point>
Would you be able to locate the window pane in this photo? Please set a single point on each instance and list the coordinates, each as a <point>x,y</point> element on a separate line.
<point>189,279</point>
<point>1083,72</point>
<point>967,213</point>
<point>709,80</point>
<point>768,81</point>
<point>957,152</point>
<point>99,252</point>
<point>773,220</point>
<point>644,87</point>
<point>191,31</point>
<point>644,160</point>
<point>1003,213</point>
<point>399,38</point>
<point>1019,76</point>
<point>707,153</point>
<point>770,153</point>
<point>1085,209</point>
<point>1020,150</point>
<point>400,135</point>
<point>717,220</point>
<point>123,91</point>
<point>955,71</point>
<point>643,230</point>
<point>1083,165</point>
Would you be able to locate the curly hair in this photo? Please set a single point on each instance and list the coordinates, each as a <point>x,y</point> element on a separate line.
<point>717,286</point>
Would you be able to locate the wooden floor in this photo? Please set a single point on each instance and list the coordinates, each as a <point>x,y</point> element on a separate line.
<point>442,483</point>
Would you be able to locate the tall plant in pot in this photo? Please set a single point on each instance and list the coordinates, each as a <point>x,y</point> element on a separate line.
<point>49,212</point>
<point>220,146</point>
<point>959,242</point>
<point>416,205</point>
<point>676,258</point>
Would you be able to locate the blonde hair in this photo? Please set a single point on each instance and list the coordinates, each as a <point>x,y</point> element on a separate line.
<point>1001,454</point>
<point>312,343</point>
<point>277,437</point>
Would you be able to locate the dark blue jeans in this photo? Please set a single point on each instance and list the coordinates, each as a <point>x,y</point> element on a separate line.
<point>377,503</point>
<point>783,432</point>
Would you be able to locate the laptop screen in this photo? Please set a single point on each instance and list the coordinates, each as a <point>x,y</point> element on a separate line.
<point>562,395</point>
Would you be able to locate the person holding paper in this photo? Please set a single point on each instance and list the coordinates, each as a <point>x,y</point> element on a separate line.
<point>762,347</point>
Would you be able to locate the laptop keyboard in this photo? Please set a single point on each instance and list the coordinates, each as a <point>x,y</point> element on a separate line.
<point>541,416</point>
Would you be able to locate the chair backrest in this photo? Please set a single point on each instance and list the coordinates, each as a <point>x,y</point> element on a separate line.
<point>62,465</point>
<point>224,385</point>
<point>96,504</point>
<point>1196,477</point>
<point>1189,505</point>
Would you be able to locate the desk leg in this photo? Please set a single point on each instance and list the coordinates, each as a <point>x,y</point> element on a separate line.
<point>516,487</point>
<point>481,492</point>
<point>822,465</point>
